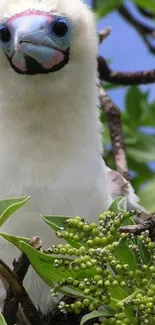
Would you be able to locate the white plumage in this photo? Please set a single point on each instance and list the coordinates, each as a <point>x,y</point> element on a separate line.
<point>50,142</point>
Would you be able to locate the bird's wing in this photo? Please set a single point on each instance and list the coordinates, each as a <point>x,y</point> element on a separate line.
<point>119,186</point>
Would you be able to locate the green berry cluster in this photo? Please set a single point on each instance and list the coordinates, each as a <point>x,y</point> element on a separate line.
<point>100,260</point>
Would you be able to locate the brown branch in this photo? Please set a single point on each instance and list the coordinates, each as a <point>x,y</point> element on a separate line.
<point>16,293</point>
<point>124,78</point>
<point>114,122</point>
<point>148,224</point>
<point>146,13</point>
<point>94,4</point>
<point>142,29</point>
<point>21,295</point>
<point>104,33</point>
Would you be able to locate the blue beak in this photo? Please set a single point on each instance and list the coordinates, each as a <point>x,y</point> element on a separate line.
<point>35,47</point>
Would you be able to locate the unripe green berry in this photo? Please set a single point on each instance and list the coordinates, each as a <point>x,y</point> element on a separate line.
<point>123,283</point>
<point>151,245</point>
<point>70,280</point>
<point>90,242</point>
<point>123,235</point>
<point>76,237</point>
<point>78,304</point>
<point>97,277</point>
<point>149,305</point>
<point>118,267</point>
<point>118,322</point>
<point>115,283</point>
<point>100,283</point>
<point>63,251</point>
<point>81,286</point>
<point>91,307</point>
<point>75,283</point>
<point>95,231</point>
<point>86,228</point>
<point>86,302</point>
<point>126,267</point>
<point>89,264</point>
<point>107,283</point>
<point>150,293</point>
<point>152,269</point>
<point>59,234</point>
<point>119,305</point>
<point>141,307</point>
<point>82,250</point>
<point>83,266</point>
<point>86,291</point>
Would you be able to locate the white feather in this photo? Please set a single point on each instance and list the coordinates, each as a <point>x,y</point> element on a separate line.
<point>50,139</point>
<point>50,143</point>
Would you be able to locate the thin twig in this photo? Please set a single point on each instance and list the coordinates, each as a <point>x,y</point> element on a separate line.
<point>124,78</point>
<point>94,4</point>
<point>142,29</point>
<point>104,33</point>
<point>21,295</point>
<point>115,129</point>
<point>148,224</point>
<point>16,293</point>
<point>146,13</point>
<point>21,265</point>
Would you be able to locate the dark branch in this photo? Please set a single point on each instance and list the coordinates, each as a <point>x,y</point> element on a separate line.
<point>148,224</point>
<point>142,29</point>
<point>19,294</point>
<point>16,293</point>
<point>124,78</point>
<point>104,33</point>
<point>146,13</point>
<point>115,129</point>
<point>94,4</point>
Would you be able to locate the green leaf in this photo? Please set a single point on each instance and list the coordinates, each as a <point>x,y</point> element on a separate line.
<point>143,174</point>
<point>133,104</point>
<point>119,294</point>
<point>143,252</point>
<point>118,205</point>
<point>104,7</point>
<point>57,223</point>
<point>2,320</point>
<point>9,206</point>
<point>15,240</point>
<point>44,264</point>
<point>104,312</point>
<point>126,256</point>
<point>148,197</point>
<point>36,258</point>
<point>146,4</point>
<point>144,150</point>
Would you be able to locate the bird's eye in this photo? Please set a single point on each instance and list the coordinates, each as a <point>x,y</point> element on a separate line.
<point>4,34</point>
<point>60,28</point>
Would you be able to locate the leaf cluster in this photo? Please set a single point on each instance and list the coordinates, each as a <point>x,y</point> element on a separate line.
<point>110,275</point>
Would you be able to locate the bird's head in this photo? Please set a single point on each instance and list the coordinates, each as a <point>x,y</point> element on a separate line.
<point>45,36</point>
<point>36,41</point>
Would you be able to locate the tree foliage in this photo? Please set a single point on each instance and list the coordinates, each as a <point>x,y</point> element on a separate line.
<point>138,116</point>
<point>108,272</point>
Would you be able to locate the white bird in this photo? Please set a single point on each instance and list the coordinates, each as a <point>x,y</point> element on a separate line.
<point>50,133</point>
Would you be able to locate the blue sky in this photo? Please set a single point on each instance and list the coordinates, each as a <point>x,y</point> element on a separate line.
<point>126,50</point>
<point>128,53</point>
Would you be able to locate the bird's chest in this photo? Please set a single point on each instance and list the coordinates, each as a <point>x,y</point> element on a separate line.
<point>54,188</point>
